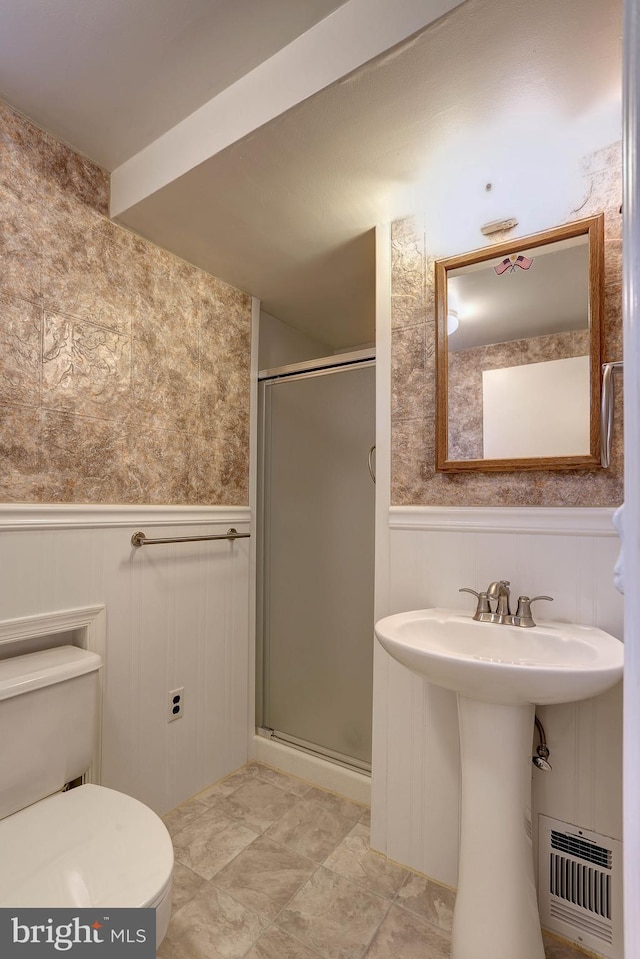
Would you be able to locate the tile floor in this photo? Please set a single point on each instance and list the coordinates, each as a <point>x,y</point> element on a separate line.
<point>270,867</point>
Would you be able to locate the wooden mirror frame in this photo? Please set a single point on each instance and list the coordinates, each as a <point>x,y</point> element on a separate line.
<point>593,228</point>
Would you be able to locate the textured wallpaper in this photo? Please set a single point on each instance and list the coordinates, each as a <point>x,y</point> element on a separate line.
<point>415,481</point>
<point>124,370</point>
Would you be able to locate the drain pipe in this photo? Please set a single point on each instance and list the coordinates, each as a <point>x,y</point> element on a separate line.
<point>541,759</point>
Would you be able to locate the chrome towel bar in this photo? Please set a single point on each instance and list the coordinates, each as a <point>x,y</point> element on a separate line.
<point>606,416</point>
<point>140,539</point>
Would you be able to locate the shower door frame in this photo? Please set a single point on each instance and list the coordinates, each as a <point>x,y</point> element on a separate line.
<point>310,368</point>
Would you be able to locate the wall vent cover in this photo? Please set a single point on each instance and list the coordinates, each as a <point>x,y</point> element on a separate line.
<point>580,886</point>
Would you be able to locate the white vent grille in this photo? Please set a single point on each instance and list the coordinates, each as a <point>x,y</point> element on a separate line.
<point>590,925</point>
<point>579,886</point>
<point>581,849</point>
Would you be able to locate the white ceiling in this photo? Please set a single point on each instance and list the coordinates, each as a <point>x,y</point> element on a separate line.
<point>110,76</point>
<point>287,211</point>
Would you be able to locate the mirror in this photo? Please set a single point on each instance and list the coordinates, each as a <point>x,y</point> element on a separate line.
<point>518,352</point>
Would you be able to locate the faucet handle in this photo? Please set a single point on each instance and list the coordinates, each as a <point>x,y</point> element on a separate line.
<point>483,601</point>
<point>465,589</point>
<point>523,615</point>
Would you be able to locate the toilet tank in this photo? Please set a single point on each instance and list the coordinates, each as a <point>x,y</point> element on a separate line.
<point>48,722</point>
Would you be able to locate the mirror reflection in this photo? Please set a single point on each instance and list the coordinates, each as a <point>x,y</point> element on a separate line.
<point>519,352</point>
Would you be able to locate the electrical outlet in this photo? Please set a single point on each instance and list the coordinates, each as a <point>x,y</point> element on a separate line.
<point>176,704</point>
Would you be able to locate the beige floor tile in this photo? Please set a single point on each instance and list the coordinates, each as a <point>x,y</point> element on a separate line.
<point>212,841</point>
<point>354,860</point>
<point>297,787</point>
<point>217,791</point>
<point>211,925</point>
<point>333,916</point>
<point>252,772</point>
<point>557,949</point>
<point>185,885</point>
<point>405,936</point>
<point>310,830</point>
<point>429,900</point>
<point>180,817</point>
<point>344,807</point>
<point>277,944</point>
<point>246,774</point>
<point>260,847</point>
<point>265,877</point>
<point>257,804</point>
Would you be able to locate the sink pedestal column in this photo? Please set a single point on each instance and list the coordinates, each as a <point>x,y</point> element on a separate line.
<point>496,911</point>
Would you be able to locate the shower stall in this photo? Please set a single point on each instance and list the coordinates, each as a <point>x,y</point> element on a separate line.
<point>316,557</point>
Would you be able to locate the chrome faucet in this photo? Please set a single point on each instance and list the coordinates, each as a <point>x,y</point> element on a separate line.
<point>483,613</point>
<point>500,593</point>
<point>522,616</point>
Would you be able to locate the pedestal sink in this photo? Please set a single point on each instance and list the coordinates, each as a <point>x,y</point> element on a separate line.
<point>500,674</point>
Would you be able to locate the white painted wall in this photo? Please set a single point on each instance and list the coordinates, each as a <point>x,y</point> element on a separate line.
<point>568,554</point>
<point>176,615</point>
<point>281,344</point>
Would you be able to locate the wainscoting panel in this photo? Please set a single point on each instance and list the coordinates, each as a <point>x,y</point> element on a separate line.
<point>567,554</point>
<point>176,615</point>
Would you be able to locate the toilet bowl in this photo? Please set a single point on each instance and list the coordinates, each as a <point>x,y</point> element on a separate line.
<point>89,845</point>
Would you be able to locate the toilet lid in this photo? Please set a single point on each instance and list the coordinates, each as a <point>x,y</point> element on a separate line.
<point>85,847</point>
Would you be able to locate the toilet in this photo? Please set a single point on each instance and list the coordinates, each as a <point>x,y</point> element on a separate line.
<point>89,845</point>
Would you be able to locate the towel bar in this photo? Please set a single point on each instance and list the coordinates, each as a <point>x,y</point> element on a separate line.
<point>606,416</point>
<point>140,538</point>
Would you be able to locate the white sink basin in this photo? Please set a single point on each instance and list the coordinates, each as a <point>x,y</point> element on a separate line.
<point>509,665</point>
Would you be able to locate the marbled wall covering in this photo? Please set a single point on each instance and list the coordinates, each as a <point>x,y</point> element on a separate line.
<point>415,481</point>
<point>124,371</point>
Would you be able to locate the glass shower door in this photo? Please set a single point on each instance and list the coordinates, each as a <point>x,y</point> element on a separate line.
<point>318,560</point>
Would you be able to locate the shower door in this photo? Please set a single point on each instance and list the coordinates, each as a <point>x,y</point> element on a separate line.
<point>318,560</point>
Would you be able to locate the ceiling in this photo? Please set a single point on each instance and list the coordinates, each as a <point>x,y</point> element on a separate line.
<point>110,76</point>
<point>287,210</point>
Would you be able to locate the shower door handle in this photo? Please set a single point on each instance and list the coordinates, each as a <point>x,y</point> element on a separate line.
<point>372,472</point>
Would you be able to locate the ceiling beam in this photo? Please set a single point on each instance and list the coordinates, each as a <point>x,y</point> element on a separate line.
<point>352,35</point>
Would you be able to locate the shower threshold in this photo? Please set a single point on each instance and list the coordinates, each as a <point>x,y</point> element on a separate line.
<point>313,749</point>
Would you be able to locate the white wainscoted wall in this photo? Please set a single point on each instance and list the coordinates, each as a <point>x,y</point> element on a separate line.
<point>176,615</point>
<point>566,553</point>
